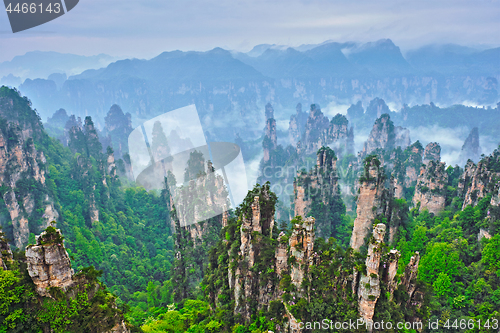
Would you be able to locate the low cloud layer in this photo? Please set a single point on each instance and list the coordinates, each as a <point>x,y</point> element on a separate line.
<point>451,141</point>
<point>146,28</point>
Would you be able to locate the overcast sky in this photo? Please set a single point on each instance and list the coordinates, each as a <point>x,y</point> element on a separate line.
<point>145,28</point>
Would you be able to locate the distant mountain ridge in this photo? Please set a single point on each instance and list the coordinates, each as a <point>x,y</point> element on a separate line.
<point>229,89</point>
<point>41,64</point>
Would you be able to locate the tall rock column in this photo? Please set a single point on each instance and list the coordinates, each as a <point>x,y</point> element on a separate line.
<point>432,152</point>
<point>471,150</point>
<point>301,249</point>
<point>270,139</point>
<point>247,287</point>
<point>320,185</point>
<point>297,125</point>
<point>369,284</point>
<point>371,201</point>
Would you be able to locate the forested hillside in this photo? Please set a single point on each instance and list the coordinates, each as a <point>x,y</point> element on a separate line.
<point>392,234</point>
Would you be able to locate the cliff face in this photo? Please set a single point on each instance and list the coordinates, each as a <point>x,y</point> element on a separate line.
<point>320,132</point>
<point>480,180</point>
<point>432,153</point>
<point>50,269</point>
<point>270,139</point>
<point>315,125</point>
<point>22,171</point>
<point>201,198</point>
<point>381,267</point>
<point>372,200</point>
<point>369,284</point>
<point>254,226</point>
<point>297,125</point>
<point>339,136</point>
<point>301,244</point>
<point>405,168</point>
<point>320,188</point>
<point>431,187</point>
<point>118,127</point>
<point>471,150</point>
<point>48,262</point>
<point>384,135</point>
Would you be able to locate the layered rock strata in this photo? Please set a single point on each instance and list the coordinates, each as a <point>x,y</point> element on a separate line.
<point>430,191</point>
<point>369,284</point>
<point>315,125</point>
<point>320,183</point>
<point>384,135</point>
<point>301,244</point>
<point>48,262</point>
<point>371,203</point>
<point>22,168</point>
<point>246,281</point>
<point>481,180</point>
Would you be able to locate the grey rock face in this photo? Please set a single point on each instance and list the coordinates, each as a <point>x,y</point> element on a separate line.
<point>432,152</point>
<point>49,264</point>
<point>471,150</point>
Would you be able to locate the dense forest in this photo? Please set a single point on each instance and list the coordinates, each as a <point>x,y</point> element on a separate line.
<point>273,264</point>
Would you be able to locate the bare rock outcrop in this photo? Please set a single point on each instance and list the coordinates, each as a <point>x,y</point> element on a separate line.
<point>48,262</point>
<point>301,249</point>
<point>321,183</point>
<point>315,125</point>
<point>471,150</point>
<point>297,125</point>
<point>431,187</point>
<point>372,200</point>
<point>480,180</point>
<point>384,135</point>
<point>22,166</point>
<point>432,153</point>
<point>255,224</point>
<point>369,284</point>
<point>339,136</point>
<point>270,139</point>
<point>410,276</point>
<point>392,270</point>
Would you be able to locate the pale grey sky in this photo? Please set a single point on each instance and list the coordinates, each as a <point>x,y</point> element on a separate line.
<point>145,28</point>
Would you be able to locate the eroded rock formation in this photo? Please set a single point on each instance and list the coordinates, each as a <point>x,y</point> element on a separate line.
<point>315,125</point>
<point>22,171</point>
<point>320,184</point>
<point>50,269</point>
<point>480,180</point>
<point>432,153</point>
<point>255,224</point>
<point>48,262</point>
<point>471,150</point>
<point>372,200</point>
<point>301,244</point>
<point>297,125</point>
<point>270,139</point>
<point>369,284</point>
<point>431,187</point>
<point>384,135</point>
